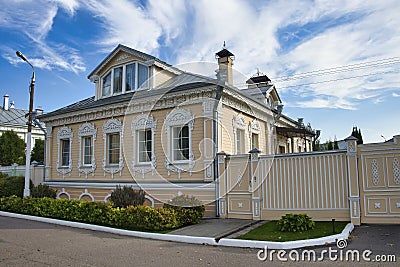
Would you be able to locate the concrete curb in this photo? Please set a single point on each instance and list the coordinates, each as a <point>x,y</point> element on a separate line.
<point>193,239</point>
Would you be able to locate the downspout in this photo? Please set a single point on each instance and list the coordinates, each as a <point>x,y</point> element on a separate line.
<point>215,141</point>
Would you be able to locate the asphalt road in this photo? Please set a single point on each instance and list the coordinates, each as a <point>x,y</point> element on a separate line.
<point>28,243</point>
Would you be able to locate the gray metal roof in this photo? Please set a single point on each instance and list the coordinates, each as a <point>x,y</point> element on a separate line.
<point>13,117</point>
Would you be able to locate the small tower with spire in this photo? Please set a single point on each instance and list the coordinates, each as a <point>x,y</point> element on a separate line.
<point>225,62</point>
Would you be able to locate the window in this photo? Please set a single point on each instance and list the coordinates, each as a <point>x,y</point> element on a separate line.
<point>87,150</point>
<point>179,125</point>
<point>239,142</point>
<point>112,136</point>
<point>64,143</point>
<point>143,131</point>
<point>254,141</point>
<point>239,127</point>
<point>113,148</point>
<point>180,143</point>
<point>117,80</point>
<point>145,145</point>
<point>87,136</point>
<point>65,150</point>
<point>107,85</point>
<point>143,73</point>
<point>130,77</point>
<point>125,78</point>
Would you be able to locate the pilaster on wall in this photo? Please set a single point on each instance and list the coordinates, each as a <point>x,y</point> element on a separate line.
<point>352,176</point>
<point>254,186</point>
<point>221,184</point>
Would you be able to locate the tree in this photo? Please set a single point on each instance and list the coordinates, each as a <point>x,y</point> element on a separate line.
<point>37,153</point>
<point>12,149</point>
<point>357,134</point>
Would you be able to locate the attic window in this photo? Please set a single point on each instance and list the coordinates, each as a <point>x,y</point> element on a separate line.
<point>126,78</point>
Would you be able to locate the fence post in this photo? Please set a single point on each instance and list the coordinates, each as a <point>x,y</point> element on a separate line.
<point>221,184</point>
<point>352,176</point>
<point>254,185</point>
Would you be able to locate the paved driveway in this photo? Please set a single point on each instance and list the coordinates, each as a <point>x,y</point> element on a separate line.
<point>27,243</point>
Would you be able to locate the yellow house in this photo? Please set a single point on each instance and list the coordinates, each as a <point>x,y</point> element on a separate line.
<point>150,125</point>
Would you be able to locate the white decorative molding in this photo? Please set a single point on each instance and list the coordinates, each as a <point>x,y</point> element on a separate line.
<point>377,205</point>
<point>63,192</point>
<point>208,107</point>
<point>86,193</point>
<point>64,133</point>
<point>240,205</point>
<point>106,198</point>
<point>109,127</point>
<point>238,123</point>
<point>254,128</point>
<point>87,129</point>
<point>398,205</point>
<point>150,199</point>
<point>147,104</point>
<point>375,172</point>
<point>396,171</point>
<point>122,57</point>
<point>178,117</point>
<point>143,122</point>
<point>239,177</point>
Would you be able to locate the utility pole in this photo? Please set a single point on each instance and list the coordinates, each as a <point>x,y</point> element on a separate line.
<point>27,191</point>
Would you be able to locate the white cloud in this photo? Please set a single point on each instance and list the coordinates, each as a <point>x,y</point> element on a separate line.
<point>395,94</point>
<point>34,19</point>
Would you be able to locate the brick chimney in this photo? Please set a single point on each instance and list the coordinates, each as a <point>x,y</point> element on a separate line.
<point>225,62</point>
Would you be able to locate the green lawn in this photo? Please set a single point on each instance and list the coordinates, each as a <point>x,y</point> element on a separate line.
<point>270,232</point>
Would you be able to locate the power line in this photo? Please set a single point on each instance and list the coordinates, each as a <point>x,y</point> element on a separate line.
<point>385,61</point>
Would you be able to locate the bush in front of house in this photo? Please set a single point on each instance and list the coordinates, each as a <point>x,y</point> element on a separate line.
<point>295,223</point>
<point>41,191</point>
<point>99,213</point>
<point>189,209</point>
<point>12,185</point>
<point>123,197</point>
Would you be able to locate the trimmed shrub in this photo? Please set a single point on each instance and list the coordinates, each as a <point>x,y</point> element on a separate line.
<point>41,191</point>
<point>295,223</point>
<point>189,210</point>
<point>126,196</point>
<point>100,213</point>
<point>12,185</point>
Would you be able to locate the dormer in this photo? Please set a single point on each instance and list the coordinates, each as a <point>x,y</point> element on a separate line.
<point>261,87</point>
<point>126,70</point>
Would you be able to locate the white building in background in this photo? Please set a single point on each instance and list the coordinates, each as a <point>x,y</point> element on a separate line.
<point>16,120</point>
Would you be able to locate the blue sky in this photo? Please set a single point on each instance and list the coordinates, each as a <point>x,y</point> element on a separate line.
<point>335,63</point>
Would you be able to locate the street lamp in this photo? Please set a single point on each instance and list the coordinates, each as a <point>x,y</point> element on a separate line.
<point>27,190</point>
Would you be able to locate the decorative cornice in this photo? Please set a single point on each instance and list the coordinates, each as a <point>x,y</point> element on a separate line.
<point>194,96</point>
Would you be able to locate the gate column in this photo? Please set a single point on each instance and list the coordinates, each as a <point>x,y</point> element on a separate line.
<point>352,176</point>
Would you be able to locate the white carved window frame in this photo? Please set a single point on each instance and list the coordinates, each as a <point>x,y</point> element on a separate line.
<point>86,130</point>
<point>178,117</point>
<point>63,134</point>
<point>113,126</point>
<point>140,123</point>
<point>238,123</point>
<point>254,128</point>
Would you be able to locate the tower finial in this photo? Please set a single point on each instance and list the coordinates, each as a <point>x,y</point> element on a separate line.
<point>224,46</point>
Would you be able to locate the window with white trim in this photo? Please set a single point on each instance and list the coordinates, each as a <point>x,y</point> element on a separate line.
<point>125,78</point>
<point>254,141</point>
<point>143,131</point>
<point>239,132</point>
<point>87,150</point>
<point>179,126</point>
<point>64,142</point>
<point>87,136</point>
<point>113,148</point>
<point>254,131</point>
<point>112,137</point>
<point>180,143</point>
<point>65,152</point>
